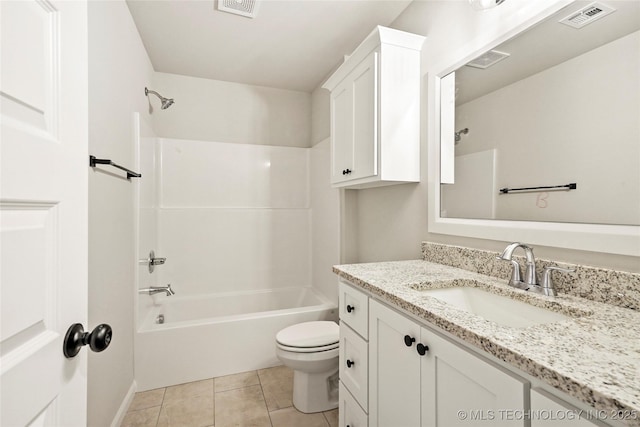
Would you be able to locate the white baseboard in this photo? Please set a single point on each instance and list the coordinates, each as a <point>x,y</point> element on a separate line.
<point>122,411</point>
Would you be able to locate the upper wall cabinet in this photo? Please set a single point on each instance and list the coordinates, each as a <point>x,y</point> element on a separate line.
<point>375,112</point>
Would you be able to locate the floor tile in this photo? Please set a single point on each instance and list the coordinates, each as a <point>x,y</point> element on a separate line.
<point>194,411</point>
<point>142,418</point>
<point>241,407</point>
<point>231,382</point>
<point>290,417</point>
<point>332,417</point>
<point>147,399</point>
<point>183,391</point>
<point>277,385</point>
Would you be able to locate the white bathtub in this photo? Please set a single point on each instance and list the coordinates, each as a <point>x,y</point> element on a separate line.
<point>208,336</point>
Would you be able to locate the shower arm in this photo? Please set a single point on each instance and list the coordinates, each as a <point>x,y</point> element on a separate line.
<point>147,92</point>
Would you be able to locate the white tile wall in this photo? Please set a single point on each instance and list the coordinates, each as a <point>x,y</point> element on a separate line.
<point>224,250</point>
<point>233,217</point>
<point>225,175</point>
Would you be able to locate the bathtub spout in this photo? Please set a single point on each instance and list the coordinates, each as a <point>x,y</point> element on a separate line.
<point>158,289</point>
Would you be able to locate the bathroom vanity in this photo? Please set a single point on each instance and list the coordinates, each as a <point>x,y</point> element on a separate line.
<point>410,357</point>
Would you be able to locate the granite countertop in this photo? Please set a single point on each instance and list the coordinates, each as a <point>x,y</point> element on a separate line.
<point>593,356</point>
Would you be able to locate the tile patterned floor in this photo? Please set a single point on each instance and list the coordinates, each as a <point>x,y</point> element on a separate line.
<point>257,398</point>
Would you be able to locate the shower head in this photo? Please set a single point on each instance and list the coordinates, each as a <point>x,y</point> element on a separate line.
<point>165,102</point>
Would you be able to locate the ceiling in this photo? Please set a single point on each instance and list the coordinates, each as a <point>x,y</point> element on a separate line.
<point>547,44</point>
<point>290,44</point>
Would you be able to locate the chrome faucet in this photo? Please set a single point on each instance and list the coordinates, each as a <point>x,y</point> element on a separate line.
<point>157,289</point>
<point>516,274</point>
<point>530,282</point>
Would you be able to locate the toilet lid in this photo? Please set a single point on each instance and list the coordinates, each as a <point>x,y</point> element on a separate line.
<point>309,334</point>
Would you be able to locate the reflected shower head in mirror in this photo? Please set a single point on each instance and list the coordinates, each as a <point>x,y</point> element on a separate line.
<point>458,135</point>
<point>165,102</point>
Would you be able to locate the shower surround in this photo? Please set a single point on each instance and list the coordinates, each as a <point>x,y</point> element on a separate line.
<point>234,222</point>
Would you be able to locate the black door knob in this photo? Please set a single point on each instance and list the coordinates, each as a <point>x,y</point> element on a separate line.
<point>409,340</point>
<point>350,308</point>
<point>98,339</point>
<point>422,349</point>
<point>350,363</point>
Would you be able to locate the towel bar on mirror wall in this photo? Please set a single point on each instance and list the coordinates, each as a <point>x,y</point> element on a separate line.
<point>93,161</point>
<point>571,186</point>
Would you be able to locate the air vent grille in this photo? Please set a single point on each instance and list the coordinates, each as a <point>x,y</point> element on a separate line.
<point>587,15</point>
<point>488,59</point>
<point>247,8</point>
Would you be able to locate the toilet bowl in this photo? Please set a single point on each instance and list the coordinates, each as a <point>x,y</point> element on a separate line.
<point>311,350</point>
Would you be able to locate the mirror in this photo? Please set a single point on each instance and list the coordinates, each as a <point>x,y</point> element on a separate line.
<point>556,106</point>
<point>523,136</point>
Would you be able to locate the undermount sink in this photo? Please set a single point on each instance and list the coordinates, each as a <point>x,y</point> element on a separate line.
<point>495,308</point>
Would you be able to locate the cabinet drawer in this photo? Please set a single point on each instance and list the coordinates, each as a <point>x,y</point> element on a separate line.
<point>354,309</point>
<point>354,364</point>
<point>350,413</point>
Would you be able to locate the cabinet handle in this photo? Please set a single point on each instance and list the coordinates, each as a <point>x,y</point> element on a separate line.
<point>350,308</point>
<point>350,363</point>
<point>422,349</point>
<point>408,340</point>
<point>348,171</point>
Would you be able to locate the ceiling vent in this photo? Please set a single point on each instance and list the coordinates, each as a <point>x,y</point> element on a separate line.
<point>488,59</point>
<point>246,8</point>
<point>587,15</point>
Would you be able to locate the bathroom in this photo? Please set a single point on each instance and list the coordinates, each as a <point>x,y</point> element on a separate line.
<point>324,226</point>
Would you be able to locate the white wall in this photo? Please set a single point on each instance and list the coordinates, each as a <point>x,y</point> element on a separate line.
<point>233,217</point>
<point>388,223</point>
<point>213,110</point>
<point>325,222</point>
<point>119,69</point>
<point>320,118</point>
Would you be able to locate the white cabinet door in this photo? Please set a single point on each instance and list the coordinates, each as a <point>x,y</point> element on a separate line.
<point>43,210</point>
<point>342,131</point>
<point>365,118</point>
<point>394,369</point>
<point>549,411</point>
<point>461,389</point>
<point>354,118</point>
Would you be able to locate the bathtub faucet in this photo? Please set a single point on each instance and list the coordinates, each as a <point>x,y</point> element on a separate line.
<point>157,289</point>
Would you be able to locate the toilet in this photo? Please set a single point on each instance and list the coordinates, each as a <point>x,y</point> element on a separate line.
<point>311,350</point>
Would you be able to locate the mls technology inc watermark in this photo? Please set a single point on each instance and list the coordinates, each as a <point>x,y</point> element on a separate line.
<point>477,415</point>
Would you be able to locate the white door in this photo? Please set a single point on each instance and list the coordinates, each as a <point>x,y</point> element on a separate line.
<point>394,369</point>
<point>365,118</point>
<point>43,210</point>
<point>460,389</point>
<point>341,131</point>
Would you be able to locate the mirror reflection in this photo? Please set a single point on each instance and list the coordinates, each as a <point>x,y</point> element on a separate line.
<point>557,106</point>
